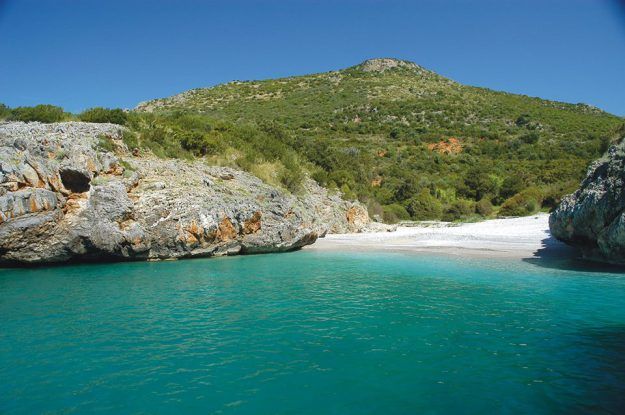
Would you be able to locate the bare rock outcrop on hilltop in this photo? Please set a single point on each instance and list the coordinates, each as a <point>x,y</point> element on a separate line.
<point>65,195</point>
<point>383,64</point>
<point>593,218</point>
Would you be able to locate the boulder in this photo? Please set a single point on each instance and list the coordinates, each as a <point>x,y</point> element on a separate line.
<point>593,218</point>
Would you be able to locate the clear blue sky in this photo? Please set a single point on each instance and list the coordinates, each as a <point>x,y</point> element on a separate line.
<point>79,54</point>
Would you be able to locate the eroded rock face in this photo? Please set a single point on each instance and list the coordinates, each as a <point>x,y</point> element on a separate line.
<point>62,197</point>
<point>593,218</point>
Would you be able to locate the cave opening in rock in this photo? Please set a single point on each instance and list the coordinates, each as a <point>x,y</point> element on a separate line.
<point>75,181</point>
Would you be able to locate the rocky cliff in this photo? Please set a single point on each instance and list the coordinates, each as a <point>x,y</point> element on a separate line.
<point>74,191</point>
<point>593,218</point>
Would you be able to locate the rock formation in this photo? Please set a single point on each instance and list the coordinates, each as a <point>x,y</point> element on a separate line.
<point>383,64</point>
<point>593,218</point>
<point>74,191</point>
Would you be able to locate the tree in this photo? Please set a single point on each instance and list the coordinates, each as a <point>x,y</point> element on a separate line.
<point>481,183</point>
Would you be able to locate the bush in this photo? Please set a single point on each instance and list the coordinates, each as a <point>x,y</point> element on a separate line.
<point>394,213</point>
<point>459,209</point>
<point>5,112</point>
<point>479,183</point>
<point>102,115</point>
<point>523,203</point>
<point>424,206</point>
<point>41,113</point>
<point>552,195</point>
<point>530,138</point>
<point>106,143</point>
<point>484,207</point>
<point>347,192</point>
<point>130,139</point>
<point>200,144</point>
<point>291,175</point>
<point>511,186</point>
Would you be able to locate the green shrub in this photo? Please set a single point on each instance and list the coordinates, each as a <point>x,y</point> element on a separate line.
<point>530,138</point>
<point>484,207</point>
<point>106,143</point>
<point>374,208</point>
<point>200,144</point>
<point>480,183</point>
<point>154,134</point>
<point>394,213</point>
<point>522,120</point>
<point>5,112</point>
<point>127,166</point>
<point>41,113</point>
<point>424,206</point>
<point>347,192</point>
<point>459,209</point>
<point>552,195</point>
<point>103,115</point>
<point>130,139</point>
<point>511,186</point>
<point>523,203</point>
<point>291,175</point>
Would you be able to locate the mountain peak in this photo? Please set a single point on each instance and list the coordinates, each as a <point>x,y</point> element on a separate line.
<point>383,64</point>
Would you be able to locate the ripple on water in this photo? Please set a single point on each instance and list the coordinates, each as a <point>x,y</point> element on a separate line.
<point>312,332</point>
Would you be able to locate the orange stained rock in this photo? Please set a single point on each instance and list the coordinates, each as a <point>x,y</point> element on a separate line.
<point>446,146</point>
<point>91,165</point>
<point>226,230</point>
<point>356,214</point>
<point>253,224</point>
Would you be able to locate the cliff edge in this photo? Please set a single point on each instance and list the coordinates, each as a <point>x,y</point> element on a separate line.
<point>593,218</point>
<point>74,191</point>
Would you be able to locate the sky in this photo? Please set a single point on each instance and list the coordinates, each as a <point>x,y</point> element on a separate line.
<point>80,54</point>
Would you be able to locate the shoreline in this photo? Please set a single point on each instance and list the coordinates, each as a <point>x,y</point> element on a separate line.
<point>520,238</point>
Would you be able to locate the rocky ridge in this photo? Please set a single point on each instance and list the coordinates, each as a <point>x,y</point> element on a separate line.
<point>384,64</point>
<point>74,191</point>
<point>593,218</point>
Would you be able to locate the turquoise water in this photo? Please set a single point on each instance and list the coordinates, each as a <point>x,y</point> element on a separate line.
<point>312,333</point>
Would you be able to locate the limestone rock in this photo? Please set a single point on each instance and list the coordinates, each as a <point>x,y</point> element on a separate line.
<point>593,218</point>
<point>384,64</point>
<point>62,197</point>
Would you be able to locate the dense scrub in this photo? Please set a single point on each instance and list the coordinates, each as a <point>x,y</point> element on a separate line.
<point>265,149</point>
<point>103,115</point>
<point>41,113</point>
<point>411,143</point>
<point>407,142</point>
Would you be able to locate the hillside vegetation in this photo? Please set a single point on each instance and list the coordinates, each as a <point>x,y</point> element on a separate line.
<point>406,141</point>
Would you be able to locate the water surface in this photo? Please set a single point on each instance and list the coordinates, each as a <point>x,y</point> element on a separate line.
<point>310,333</point>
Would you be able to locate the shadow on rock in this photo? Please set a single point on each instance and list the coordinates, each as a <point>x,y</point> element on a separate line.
<point>558,255</point>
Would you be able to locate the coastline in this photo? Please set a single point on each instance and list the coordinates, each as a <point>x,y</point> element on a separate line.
<point>520,238</point>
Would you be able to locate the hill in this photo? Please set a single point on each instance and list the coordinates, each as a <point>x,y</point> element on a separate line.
<point>411,143</point>
<point>407,142</point>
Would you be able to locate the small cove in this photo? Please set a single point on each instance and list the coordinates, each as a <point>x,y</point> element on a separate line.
<point>313,332</point>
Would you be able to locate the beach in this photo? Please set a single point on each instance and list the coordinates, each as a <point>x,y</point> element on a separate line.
<point>524,237</point>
